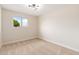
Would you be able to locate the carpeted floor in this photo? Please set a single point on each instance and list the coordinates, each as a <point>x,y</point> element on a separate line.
<point>35,47</point>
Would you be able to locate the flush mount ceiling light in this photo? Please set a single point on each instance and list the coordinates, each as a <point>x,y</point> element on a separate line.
<point>34,6</point>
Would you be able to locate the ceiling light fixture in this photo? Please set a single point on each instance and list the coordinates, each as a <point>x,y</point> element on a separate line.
<point>34,6</point>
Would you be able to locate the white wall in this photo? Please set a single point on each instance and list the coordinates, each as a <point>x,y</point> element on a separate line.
<point>13,34</point>
<point>0,27</point>
<point>61,26</point>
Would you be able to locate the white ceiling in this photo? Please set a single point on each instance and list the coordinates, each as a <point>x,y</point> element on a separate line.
<point>45,8</point>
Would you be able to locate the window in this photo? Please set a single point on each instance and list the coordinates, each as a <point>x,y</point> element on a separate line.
<point>19,21</point>
<point>24,22</point>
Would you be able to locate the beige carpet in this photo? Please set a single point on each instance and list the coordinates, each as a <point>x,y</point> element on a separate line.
<point>35,47</point>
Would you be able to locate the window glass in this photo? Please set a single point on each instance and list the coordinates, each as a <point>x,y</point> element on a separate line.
<point>24,22</point>
<point>19,21</point>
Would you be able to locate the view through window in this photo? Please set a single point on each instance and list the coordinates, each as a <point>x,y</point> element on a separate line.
<point>19,21</point>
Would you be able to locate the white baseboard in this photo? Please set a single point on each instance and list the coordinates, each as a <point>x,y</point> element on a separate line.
<point>60,44</point>
<point>15,41</point>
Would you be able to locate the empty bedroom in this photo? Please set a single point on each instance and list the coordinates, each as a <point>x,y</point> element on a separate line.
<point>39,29</point>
